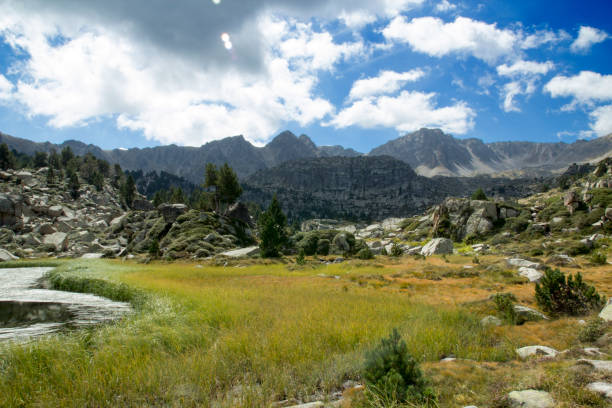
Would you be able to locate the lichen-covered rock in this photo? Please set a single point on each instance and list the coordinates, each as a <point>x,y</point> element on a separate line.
<point>530,399</point>
<point>438,246</point>
<point>538,351</point>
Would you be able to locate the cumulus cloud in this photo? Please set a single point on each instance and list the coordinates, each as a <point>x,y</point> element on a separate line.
<point>587,37</point>
<point>586,87</point>
<point>445,6</point>
<point>525,68</point>
<point>602,120</point>
<point>6,88</point>
<point>406,112</point>
<point>75,74</point>
<point>525,75</point>
<point>432,36</point>
<point>357,19</point>
<point>386,82</point>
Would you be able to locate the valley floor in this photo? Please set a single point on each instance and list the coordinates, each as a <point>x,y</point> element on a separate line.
<point>250,333</point>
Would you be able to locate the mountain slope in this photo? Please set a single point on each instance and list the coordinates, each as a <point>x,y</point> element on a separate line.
<point>432,152</point>
<point>363,188</point>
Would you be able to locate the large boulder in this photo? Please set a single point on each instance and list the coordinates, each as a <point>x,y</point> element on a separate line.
<point>538,351</point>
<point>527,314</point>
<point>571,201</point>
<point>606,312</point>
<point>142,205</point>
<point>602,388</point>
<point>242,252</point>
<point>171,212</point>
<point>518,263</point>
<point>530,273</point>
<point>240,212</point>
<point>8,212</point>
<point>478,224</point>
<point>340,243</point>
<point>6,255</point>
<point>438,246</point>
<point>55,211</point>
<point>59,240</point>
<point>530,399</point>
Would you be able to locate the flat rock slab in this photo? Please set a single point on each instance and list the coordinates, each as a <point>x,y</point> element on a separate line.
<point>6,255</point>
<point>599,365</point>
<point>606,312</point>
<point>539,351</point>
<point>530,399</point>
<point>602,388</point>
<point>93,255</point>
<point>237,253</point>
<point>438,246</point>
<point>530,273</point>
<point>517,263</point>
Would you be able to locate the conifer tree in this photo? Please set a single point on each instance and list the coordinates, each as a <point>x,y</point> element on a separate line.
<point>73,183</point>
<point>228,187</point>
<point>7,158</point>
<point>128,191</point>
<point>272,230</point>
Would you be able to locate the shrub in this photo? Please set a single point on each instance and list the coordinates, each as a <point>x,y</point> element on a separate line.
<point>558,295</point>
<point>300,259</point>
<point>365,253</point>
<point>594,329</point>
<point>505,304</point>
<point>383,251</point>
<point>154,248</point>
<point>391,373</point>
<point>323,247</point>
<point>396,250</point>
<point>599,258</point>
<point>479,195</point>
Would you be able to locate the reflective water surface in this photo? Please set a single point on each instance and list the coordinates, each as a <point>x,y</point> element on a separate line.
<point>27,311</point>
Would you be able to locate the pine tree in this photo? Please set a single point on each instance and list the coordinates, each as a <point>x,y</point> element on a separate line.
<point>479,195</point>
<point>272,233</point>
<point>97,180</point>
<point>128,191</point>
<point>40,159</point>
<point>211,178</point>
<point>67,155</point>
<point>50,176</point>
<point>73,183</point>
<point>55,160</point>
<point>7,158</point>
<point>157,198</point>
<point>228,188</point>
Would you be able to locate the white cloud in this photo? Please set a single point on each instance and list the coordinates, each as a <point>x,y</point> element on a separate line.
<point>357,19</point>
<point>512,89</point>
<point>586,87</point>
<point>406,112</point>
<point>543,37</point>
<point>587,37</point>
<point>465,36</point>
<point>394,7</point>
<point>386,82</point>
<point>602,120</point>
<point>525,68</point>
<point>445,6</point>
<point>95,73</point>
<point>6,88</point>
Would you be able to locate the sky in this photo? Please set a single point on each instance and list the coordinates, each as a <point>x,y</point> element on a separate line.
<point>140,73</point>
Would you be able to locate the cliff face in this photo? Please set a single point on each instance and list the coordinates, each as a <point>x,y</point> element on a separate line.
<point>362,188</point>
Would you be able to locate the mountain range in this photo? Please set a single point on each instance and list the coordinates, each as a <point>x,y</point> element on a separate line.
<point>430,152</point>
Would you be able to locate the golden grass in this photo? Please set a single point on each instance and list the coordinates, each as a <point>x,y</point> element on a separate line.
<point>249,334</point>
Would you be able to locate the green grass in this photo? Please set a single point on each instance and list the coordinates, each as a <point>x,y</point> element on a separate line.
<point>236,336</point>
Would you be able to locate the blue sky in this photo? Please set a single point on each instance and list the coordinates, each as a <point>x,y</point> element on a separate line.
<point>356,73</point>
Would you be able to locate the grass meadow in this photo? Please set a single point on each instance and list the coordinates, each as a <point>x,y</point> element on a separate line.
<point>246,335</point>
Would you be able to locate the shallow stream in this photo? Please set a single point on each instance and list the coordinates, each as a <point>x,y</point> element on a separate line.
<point>26,310</point>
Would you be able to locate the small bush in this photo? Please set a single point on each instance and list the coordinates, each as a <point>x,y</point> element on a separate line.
<point>396,250</point>
<point>599,258</point>
<point>505,304</point>
<point>559,295</point>
<point>300,259</point>
<point>383,251</point>
<point>323,247</point>
<point>365,253</point>
<point>392,375</point>
<point>594,329</point>
<point>479,195</point>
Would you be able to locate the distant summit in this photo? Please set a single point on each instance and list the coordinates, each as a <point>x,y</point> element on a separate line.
<point>429,152</point>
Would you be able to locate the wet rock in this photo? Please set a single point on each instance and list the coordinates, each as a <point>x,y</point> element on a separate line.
<point>539,351</point>
<point>530,399</point>
<point>438,246</point>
